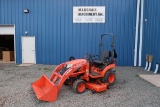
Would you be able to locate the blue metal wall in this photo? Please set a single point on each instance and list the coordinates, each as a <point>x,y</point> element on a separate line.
<point>57,37</point>
<point>151,35</point>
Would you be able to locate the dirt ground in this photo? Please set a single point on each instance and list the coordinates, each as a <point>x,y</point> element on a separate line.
<point>129,89</point>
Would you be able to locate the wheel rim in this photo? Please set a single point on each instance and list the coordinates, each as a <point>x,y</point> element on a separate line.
<point>81,87</point>
<point>111,78</point>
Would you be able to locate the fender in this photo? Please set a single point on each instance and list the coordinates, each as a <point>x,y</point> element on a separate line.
<point>107,68</point>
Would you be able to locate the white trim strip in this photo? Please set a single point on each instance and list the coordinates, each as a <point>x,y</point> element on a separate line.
<point>141,33</point>
<point>15,44</point>
<point>136,35</point>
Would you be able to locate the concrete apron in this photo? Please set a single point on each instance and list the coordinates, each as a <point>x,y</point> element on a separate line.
<point>153,79</point>
<point>25,65</point>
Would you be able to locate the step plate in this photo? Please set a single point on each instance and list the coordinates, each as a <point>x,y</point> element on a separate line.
<point>94,73</point>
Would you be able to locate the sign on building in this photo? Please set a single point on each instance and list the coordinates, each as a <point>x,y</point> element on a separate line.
<point>89,14</point>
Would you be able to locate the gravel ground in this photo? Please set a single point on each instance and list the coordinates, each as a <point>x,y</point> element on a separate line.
<point>129,89</point>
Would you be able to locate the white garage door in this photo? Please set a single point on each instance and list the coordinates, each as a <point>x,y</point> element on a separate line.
<point>7,29</point>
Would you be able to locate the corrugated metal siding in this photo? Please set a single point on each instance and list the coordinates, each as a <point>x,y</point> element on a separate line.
<point>151,35</point>
<point>57,37</point>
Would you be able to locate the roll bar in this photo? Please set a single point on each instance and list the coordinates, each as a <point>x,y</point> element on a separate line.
<point>112,43</point>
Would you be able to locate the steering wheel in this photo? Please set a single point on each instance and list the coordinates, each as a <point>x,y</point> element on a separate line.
<point>90,56</point>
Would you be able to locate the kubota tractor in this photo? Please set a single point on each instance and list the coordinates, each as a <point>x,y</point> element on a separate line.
<point>94,74</point>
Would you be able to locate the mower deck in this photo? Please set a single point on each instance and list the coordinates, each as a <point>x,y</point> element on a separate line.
<point>96,87</point>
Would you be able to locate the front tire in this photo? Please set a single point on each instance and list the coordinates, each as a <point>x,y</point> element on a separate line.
<point>79,86</point>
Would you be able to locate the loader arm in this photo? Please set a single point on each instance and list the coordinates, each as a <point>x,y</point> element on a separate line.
<point>57,69</point>
<point>59,79</point>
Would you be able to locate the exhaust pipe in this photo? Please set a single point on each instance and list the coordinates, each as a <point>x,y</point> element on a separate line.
<point>157,66</point>
<point>147,60</point>
<point>150,62</point>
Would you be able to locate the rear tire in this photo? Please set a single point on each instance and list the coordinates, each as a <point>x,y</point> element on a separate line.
<point>79,86</point>
<point>109,78</point>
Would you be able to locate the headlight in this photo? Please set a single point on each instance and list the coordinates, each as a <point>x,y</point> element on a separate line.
<point>69,65</point>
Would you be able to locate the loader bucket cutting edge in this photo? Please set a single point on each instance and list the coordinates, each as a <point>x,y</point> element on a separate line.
<point>45,90</point>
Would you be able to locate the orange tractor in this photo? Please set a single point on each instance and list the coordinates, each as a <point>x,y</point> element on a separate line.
<point>94,74</point>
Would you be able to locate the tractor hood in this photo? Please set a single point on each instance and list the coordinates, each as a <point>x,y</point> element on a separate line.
<point>75,62</point>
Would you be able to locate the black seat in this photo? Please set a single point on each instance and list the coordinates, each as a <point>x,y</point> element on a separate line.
<point>103,57</point>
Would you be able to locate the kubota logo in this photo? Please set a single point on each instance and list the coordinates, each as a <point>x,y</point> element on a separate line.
<point>75,67</point>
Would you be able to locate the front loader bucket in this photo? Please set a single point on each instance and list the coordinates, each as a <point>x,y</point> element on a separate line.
<point>45,90</point>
